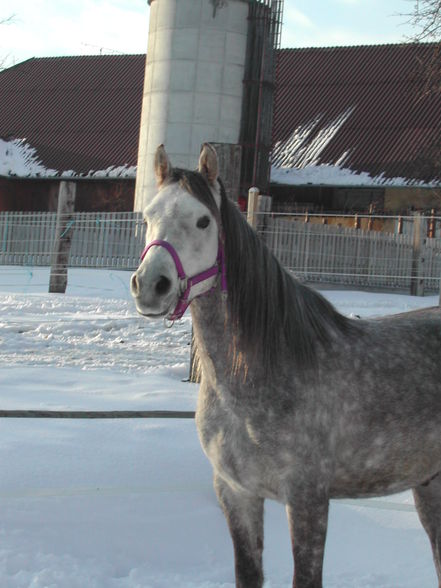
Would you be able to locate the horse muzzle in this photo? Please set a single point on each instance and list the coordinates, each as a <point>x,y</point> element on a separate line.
<point>155,289</point>
<point>161,285</point>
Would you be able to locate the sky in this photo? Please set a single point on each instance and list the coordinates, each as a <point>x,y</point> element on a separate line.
<point>44,28</point>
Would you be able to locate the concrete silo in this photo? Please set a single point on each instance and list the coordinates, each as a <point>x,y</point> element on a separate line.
<point>198,56</point>
<point>193,82</point>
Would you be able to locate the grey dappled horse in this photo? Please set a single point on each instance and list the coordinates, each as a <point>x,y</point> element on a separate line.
<point>297,403</point>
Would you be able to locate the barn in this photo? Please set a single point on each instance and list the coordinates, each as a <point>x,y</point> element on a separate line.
<point>73,118</point>
<point>354,127</point>
<point>357,126</point>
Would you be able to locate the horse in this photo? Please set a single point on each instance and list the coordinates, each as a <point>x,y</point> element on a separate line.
<point>297,403</point>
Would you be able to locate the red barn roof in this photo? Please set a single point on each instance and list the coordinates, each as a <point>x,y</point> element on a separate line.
<point>362,108</point>
<point>79,113</point>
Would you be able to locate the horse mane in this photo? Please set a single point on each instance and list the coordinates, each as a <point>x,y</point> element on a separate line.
<point>272,314</point>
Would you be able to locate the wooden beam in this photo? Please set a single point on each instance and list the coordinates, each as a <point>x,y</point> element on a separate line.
<point>253,207</point>
<point>418,258</point>
<point>97,414</point>
<point>63,237</point>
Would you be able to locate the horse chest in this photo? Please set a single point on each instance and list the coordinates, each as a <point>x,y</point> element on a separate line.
<point>239,451</point>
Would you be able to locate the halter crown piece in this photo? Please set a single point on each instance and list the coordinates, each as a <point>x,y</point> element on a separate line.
<point>187,283</point>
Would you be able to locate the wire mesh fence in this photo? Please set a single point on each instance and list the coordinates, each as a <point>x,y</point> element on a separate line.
<point>340,253</point>
<point>100,240</point>
<point>324,249</point>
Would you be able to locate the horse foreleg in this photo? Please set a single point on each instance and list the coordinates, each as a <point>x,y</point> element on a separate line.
<point>428,504</point>
<point>308,522</point>
<point>244,514</point>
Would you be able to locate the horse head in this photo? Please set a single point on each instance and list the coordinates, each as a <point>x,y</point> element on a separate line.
<point>182,256</point>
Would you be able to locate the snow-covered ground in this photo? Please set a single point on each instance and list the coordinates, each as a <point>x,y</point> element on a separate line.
<point>129,503</point>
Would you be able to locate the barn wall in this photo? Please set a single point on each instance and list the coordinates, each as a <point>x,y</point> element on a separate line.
<point>28,195</point>
<point>399,199</point>
<point>42,195</point>
<point>105,196</point>
<point>353,199</point>
<point>288,198</point>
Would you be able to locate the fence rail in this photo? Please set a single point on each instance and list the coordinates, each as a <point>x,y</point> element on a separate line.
<point>316,252</point>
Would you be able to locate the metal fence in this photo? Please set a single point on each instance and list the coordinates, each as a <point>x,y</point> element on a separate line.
<point>100,240</point>
<point>315,252</point>
<point>337,254</point>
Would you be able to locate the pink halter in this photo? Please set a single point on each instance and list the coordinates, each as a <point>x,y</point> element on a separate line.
<point>188,283</point>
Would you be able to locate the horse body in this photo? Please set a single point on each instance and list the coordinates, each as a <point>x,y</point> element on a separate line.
<point>317,407</point>
<point>360,430</point>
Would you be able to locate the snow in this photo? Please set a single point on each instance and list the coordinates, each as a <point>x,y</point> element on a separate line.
<point>337,175</point>
<point>305,145</point>
<point>19,159</point>
<point>129,503</point>
<point>297,160</point>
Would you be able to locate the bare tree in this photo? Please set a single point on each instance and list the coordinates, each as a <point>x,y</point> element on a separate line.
<point>426,17</point>
<point>426,20</point>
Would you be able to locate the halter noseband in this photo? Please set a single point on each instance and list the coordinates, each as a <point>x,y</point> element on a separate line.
<point>186,283</point>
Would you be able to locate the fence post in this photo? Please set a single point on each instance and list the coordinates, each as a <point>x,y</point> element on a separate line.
<point>439,304</point>
<point>418,256</point>
<point>264,205</point>
<point>431,231</point>
<point>253,205</point>
<point>63,237</point>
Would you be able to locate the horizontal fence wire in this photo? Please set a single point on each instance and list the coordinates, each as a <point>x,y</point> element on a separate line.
<point>316,248</point>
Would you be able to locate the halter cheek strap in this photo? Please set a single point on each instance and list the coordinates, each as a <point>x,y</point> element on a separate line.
<point>186,283</point>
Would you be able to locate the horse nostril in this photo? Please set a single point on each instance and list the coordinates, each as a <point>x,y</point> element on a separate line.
<point>134,285</point>
<point>163,285</point>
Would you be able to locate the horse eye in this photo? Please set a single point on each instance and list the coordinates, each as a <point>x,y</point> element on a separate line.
<point>203,222</point>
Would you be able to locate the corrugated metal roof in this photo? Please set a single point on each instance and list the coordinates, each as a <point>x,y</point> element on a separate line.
<point>79,113</point>
<point>390,124</point>
<point>361,107</point>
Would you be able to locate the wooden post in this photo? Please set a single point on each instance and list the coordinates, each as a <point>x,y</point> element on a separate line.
<point>253,206</point>
<point>63,237</point>
<point>371,218</point>
<point>264,205</point>
<point>229,157</point>
<point>439,293</point>
<point>418,259</point>
<point>432,225</point>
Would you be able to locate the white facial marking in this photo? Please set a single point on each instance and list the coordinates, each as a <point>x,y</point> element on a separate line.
<point>190,228</point>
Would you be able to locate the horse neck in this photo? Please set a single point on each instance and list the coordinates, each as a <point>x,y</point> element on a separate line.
<point>212,333</point>
<point>285,324</point>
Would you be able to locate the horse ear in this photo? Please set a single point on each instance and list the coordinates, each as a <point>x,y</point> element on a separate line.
<point>163,166</point>
<point>208,165</point>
